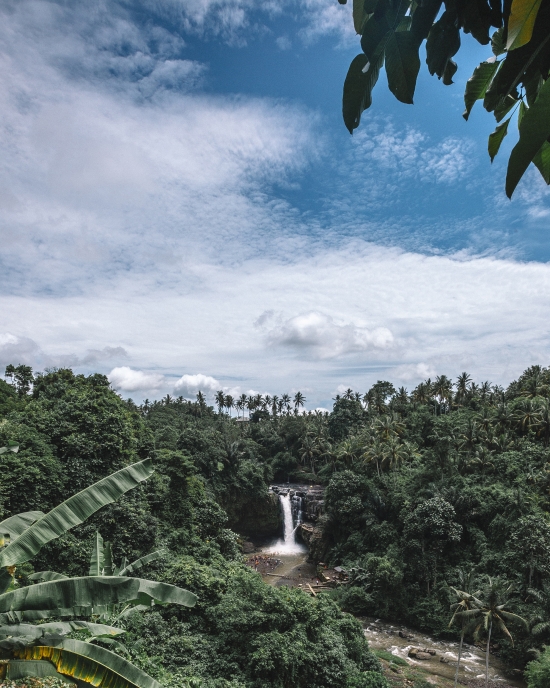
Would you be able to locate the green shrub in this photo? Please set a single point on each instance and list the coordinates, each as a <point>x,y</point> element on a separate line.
<point>367,679</point>
<point>388,657</point>
<point>537,673</point>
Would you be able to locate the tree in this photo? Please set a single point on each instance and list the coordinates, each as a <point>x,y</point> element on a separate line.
<point>392,33</point>
<point>494,598</point>
<point>22,378</point>
<point>464,609</point>
<point>42,650</point>
<point>299,401</point>
<point>220,401</point>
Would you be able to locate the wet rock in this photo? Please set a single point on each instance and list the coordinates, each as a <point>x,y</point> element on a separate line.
<point>444,660</point>
<point>248,547</point>
<point>416,653</point>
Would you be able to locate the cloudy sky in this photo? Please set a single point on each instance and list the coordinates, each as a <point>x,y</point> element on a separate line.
<point>181,207</point>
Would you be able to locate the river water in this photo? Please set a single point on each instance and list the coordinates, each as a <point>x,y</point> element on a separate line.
<point>385,636</point>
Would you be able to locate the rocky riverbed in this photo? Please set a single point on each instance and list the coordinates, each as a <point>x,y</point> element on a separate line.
<point>417,654</point>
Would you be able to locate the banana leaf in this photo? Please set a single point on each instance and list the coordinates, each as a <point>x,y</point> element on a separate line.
<point>14,526</point>
<point>98,558</point>
<point>91,592</point>
<point>74,511</point>
<point>60,628</point>
<point>6,579</point>
<point>44,576</point>
<point>142,561</point>
<point>17,668</point>
<point>107,559</point>
<point>90,663</point>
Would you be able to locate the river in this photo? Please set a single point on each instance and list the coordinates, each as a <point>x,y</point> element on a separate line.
<point>294,570</point>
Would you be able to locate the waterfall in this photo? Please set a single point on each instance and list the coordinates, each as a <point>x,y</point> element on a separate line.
<point>292,517</point>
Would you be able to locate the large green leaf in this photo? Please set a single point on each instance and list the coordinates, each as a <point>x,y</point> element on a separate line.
<point>478,83</point>
<point>74,511</point>
<point>521,22</point>
<point>92,592</point>
<point>59,628</point>
<point>14,526</point>
<point>19,668</point>
<point>90,663</point>
<point>44,576</point>
<point>358,87</point>
<point>142,561</point>
<point>6,579</point>
<point>423,18</point>
<point>402,65</point>
<point>497,137</point>
<point>542,161</point>
<point>359,15</point>
<point>533,132</point>
<point>97,559</point>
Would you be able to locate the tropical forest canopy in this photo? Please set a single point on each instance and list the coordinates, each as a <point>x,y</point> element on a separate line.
<point>423,489</point>
<point>512,81</point>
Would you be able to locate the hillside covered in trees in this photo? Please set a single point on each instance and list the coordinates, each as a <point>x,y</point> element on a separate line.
<point>421,489</point>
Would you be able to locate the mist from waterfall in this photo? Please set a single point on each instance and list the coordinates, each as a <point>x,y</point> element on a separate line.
<point>288,544</point>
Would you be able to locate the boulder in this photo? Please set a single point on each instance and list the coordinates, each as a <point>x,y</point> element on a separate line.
<point>248,547</point>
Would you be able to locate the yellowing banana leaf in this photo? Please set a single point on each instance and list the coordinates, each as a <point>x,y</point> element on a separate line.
<point>142,561</point>
<point>14,526</point>
<point>91,592</point>
<point>74,511</point>
<point>18,668</point>
<point>44,576</point>
<point>97,560</point>
<point>90,663</point>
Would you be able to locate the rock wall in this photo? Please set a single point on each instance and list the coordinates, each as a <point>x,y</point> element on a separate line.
<point>259,518</point>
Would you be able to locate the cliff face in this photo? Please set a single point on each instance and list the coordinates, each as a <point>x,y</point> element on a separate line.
<point>256,518</point>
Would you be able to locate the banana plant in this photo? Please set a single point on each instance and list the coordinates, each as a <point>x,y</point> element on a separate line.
<point>44,649</point>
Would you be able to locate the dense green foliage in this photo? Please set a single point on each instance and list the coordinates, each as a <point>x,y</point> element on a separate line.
<point>73,430</point>
<point>419,488</point>
<point>514,79</point>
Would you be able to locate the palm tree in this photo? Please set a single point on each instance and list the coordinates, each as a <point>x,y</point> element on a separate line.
<point>299,400</point>
<point>494,597</point>
<point>443,388</point>
<point>387,426</point>
<point>462,387</point>
<point>348,394</point>
<point>463,609</point>
<point>220,401</point>
<point>285,399</point>
<point>528,415</point>
<point>275,404</point>
<point>374,452</point>
<point>229,403</point>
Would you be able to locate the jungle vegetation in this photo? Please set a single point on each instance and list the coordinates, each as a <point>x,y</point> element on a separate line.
<point>186,611</point>
<point>437,502</point>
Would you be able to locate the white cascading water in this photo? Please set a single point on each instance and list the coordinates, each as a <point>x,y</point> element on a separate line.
<point>288,544</point>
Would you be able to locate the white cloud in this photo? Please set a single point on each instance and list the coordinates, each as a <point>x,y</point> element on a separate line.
<point>16,349</point>
<point>125,379</point>
<point>318,333</point>
<point>408,155</point>
<point>414,372</point>
<point>189,385</point>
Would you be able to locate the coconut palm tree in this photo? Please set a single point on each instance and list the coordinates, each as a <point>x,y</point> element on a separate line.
<point>494,598</point>
<point>220,401</point>
<point>229,403</point>
<point>464,609</point>
<point>299,401</point>
<point>462,388</point>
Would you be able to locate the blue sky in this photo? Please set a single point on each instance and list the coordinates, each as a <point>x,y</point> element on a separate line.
<point>182,207</point>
